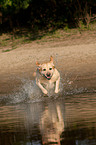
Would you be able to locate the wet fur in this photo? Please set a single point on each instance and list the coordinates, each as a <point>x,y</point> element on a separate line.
<point>47,76</point>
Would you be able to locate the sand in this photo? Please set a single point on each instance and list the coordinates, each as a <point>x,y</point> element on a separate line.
<point>77,60</point>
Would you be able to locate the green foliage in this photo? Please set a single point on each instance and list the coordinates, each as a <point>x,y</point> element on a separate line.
<point>81,25</point>
<point>66,28</point>
<point>46,13</point>
<point>17,4</point>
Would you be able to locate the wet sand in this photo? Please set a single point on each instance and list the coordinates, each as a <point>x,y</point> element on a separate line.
<point>77,61</point>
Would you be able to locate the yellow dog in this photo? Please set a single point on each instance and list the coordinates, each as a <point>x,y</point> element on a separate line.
<point>47,76</point>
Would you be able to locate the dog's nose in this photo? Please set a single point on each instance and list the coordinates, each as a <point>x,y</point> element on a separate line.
<point>48,74</point>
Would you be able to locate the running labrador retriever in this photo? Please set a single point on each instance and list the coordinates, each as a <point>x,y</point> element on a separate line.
<point>47,76</point>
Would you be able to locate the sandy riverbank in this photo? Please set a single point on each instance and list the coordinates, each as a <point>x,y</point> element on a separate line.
<point>77,60</point>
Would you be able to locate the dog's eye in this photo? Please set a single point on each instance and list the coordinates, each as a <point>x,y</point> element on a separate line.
<point>50,68</point>
<point>44,69</point>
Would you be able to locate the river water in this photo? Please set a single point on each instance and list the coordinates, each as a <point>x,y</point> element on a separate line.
<point>29,118</point>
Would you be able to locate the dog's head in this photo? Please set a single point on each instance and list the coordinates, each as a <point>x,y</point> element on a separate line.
<point>46,69</point>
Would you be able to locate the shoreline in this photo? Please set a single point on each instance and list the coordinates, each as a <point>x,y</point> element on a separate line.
<point>77,60</point>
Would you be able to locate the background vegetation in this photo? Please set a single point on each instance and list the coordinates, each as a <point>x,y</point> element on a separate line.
<point>40,14</point>
<point>22,21</point>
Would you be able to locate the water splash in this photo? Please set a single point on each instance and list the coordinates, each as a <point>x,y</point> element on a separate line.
<point>30,92</point>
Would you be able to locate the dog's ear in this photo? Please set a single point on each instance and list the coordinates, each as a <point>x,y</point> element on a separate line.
<point>38,66</point>
<point>37,63</point>
<point>51,59</point>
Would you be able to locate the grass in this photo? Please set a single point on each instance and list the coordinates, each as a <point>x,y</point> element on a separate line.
<point>11,40</point>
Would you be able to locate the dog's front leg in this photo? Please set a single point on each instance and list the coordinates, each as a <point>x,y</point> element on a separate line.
<point>41,87</point>
<point>57,86</point>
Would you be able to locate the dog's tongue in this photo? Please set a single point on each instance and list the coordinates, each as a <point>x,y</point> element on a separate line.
<point>48,77</point>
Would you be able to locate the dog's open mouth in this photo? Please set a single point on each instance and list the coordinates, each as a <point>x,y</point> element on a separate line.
<point>48,76</point>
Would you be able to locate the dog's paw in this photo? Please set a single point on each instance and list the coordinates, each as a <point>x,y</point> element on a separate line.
<point>45,92</point>
<point>57,91</point>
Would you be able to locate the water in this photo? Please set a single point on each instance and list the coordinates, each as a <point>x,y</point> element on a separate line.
<point>29,118</point>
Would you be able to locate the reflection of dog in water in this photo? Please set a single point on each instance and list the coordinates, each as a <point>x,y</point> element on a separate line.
<point>46,76</point>
<point>51,126</point>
